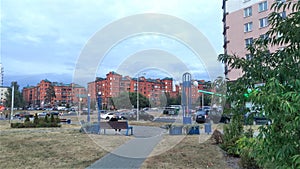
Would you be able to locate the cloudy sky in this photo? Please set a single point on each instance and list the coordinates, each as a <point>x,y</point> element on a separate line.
<point>46,38</point>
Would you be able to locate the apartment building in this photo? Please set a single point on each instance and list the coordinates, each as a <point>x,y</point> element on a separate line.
<point>244,21</point>
<point>3,90</point>
<point>65,94</point>
<point>114,84</point>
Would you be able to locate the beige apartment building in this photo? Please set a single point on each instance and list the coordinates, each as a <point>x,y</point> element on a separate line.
<point>246,20</point>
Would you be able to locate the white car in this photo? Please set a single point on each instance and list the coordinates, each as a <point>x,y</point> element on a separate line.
<point>107,116</point>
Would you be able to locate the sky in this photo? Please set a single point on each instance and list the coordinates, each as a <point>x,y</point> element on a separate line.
<point>48,39</point>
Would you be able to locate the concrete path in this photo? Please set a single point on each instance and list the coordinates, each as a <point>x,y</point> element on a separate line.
<point>132,154</point>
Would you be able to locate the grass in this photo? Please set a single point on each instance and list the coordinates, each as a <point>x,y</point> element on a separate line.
<point>189,153</point>
<point>53,148</point>
<point>66,147</point>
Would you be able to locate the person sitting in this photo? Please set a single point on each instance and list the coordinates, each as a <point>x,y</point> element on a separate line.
<point>115,118</point>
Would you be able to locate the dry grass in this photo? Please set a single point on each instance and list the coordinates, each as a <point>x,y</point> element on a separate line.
<point>188,153</point>
<point>62,147</point>
<point>66,147</point>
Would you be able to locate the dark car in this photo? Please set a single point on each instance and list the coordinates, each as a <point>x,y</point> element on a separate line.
<point>142,116</point>
<point>256,119</point>
<point>201,116</point>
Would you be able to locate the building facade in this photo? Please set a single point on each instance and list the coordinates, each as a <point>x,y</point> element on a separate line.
<point>65,94</point>
<point>244,21</point>
<point>3,91</point>
<point>153,89</point>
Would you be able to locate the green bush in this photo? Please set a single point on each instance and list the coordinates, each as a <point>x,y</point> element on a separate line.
<point>27,119</point>
<point>247,160</point>
<point>36,119</point>
<point>232,133</point>
<point>37,122</point>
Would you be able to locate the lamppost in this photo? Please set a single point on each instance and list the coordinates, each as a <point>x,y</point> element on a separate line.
<point>12,103</point>
<point>99,110</point>
<point>89,107</point>
<point>79,107</point>
<point>137,96</point>
<point>99,105</point>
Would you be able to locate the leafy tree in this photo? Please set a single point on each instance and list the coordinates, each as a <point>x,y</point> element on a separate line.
<point>50,93</point>
<point>277,145</point>
<point>18,97</point>
<point>128,99</point>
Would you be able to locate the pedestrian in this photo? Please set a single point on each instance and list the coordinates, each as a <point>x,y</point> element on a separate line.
<point>115,118</point>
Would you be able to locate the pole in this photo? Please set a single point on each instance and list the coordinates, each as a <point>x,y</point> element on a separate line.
<point>99,110</point>
<point>202,100</point>
<point>12,102</point>
<point>137,98</point>
<point>89,108</point>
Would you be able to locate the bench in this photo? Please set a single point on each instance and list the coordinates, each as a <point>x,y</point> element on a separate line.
<point>68,121</point>
<point>116,125</point>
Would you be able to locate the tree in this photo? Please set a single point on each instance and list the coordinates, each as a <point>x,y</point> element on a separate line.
<point>18,97</point>
<point>50,93</point>
<point>277,145</point>
<point>129,99</point>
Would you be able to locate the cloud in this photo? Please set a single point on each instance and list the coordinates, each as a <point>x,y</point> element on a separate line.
<point>50,34</point>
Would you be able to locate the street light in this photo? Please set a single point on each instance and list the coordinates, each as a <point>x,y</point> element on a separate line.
<point>137,96</point>
<point>89,107</point>
<point>99,105</point>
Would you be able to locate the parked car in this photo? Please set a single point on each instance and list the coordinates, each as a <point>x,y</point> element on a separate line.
<point>107,116</point>
<point>142,116</point>
<point>256,119</point>
<point>42,114</point>
<point>123,115</point>
<point>55,113</point>
<point>201,116</point>
<point>170,111</point>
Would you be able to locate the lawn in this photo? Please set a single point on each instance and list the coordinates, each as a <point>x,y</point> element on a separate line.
<point>66,147</point>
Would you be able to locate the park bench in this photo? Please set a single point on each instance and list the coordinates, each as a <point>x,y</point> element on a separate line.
<point>68,121</point>
<point>116,125</point>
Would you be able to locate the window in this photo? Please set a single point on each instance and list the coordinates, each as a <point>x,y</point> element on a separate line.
<point>248,12</point>
<point>264,36</point>
<point>281,1</point>
<point>283,14</point>
<point>248,41</point>
<point>249,56</point>
<point>263,22</point>
<point>248,27</point>
<point>263,6</point>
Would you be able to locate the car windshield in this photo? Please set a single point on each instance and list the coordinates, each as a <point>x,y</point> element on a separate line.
<point>200,112</point>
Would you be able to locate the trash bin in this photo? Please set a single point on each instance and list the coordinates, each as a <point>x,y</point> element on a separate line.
<point>175,130</point>
<point>187,120</point>
<point>207,128</point>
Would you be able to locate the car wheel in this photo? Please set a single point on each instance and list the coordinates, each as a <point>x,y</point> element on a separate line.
<point>254,122</point>
<point>107,118</point>
<point>227,121</point>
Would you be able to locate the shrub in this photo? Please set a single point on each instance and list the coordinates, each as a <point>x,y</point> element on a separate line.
<point>27,119</point>
<point>52,118</point>
<point>247,160</point>
<point>46,119</point>
<point>36,119</point>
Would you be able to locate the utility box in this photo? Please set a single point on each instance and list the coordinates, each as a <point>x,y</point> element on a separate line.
<point>187,120</point>
<point>207,128</point>
<point>175,130</point>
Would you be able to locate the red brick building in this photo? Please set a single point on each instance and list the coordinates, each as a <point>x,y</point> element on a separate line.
<point>65,94</point>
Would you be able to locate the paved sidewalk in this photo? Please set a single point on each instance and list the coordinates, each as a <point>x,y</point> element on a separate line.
<point>132,154</point>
